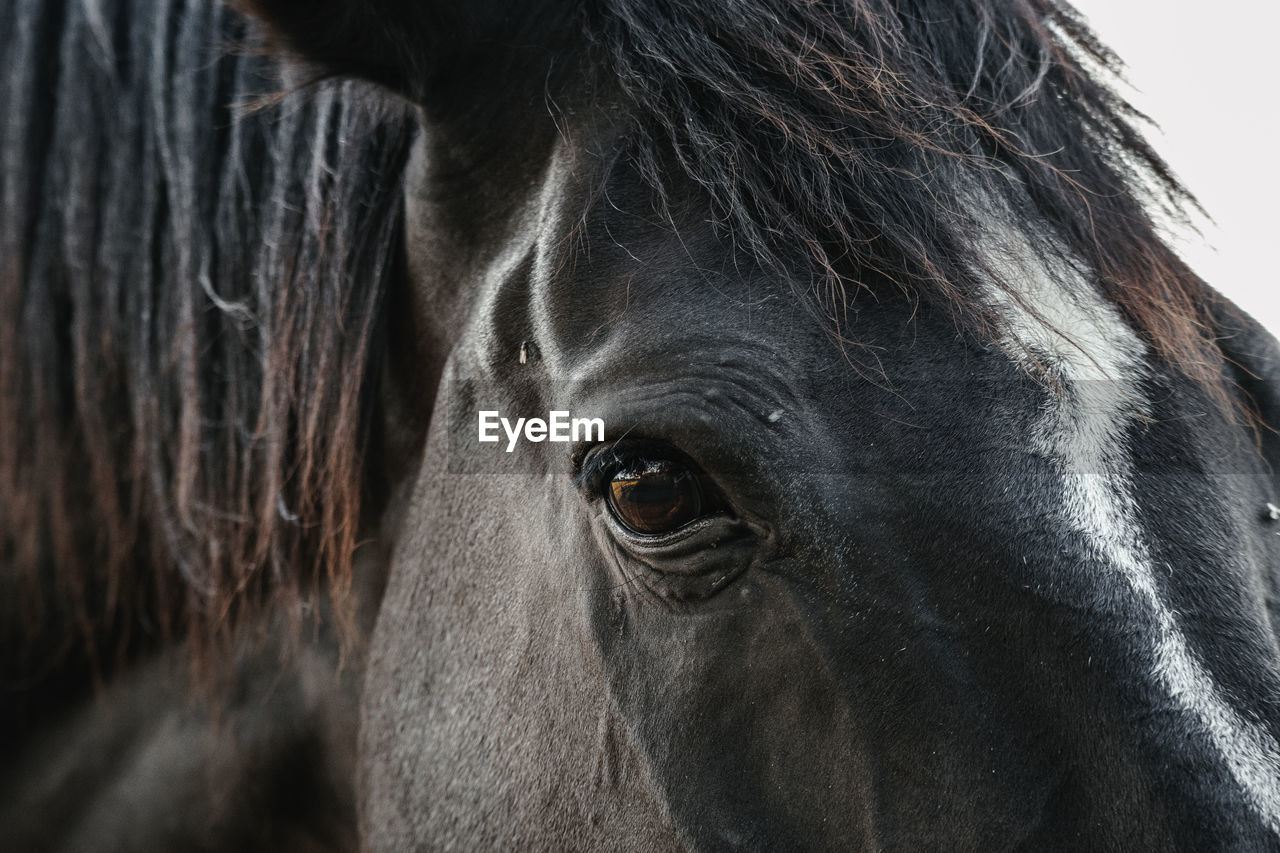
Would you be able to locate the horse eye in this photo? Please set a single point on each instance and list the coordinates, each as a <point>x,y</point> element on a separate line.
<point>654,497</point>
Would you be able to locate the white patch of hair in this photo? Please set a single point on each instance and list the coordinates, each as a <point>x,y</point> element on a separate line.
<point>1086,346</point>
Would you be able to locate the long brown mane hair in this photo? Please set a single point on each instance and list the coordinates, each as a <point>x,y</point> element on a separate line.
<point>190,299</point>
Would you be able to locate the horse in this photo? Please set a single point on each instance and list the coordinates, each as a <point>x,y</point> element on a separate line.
<point>936,505</point>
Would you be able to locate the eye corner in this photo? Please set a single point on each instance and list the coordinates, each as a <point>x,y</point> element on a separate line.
<point>589,464</point>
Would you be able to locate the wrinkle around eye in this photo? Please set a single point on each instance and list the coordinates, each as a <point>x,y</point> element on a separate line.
<point>693,565</point>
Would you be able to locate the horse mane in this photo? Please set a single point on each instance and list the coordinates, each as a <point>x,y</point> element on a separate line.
<point>877,141</point>
<point>190,314</point>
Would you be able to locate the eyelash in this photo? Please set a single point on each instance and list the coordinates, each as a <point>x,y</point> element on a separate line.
<point>600,464</point>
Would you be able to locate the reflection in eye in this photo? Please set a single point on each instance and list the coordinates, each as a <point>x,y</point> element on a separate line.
<point>654,496</point>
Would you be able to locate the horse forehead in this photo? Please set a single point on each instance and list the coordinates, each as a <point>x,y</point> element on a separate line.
<point>660,299</point>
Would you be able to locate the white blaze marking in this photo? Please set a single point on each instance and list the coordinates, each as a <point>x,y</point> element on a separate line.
<point>1100,362</point>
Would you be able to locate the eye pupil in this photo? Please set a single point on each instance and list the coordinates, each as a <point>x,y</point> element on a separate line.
<point>655,497</point>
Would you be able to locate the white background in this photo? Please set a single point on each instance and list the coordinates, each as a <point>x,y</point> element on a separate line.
<point>1206,73</point>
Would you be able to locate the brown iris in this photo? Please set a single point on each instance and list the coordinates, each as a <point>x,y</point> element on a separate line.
<point>655,496</point>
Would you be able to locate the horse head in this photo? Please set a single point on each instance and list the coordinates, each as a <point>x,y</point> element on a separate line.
<point>928,511</point>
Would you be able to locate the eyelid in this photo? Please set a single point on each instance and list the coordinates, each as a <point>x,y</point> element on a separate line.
<point>613,455</point>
